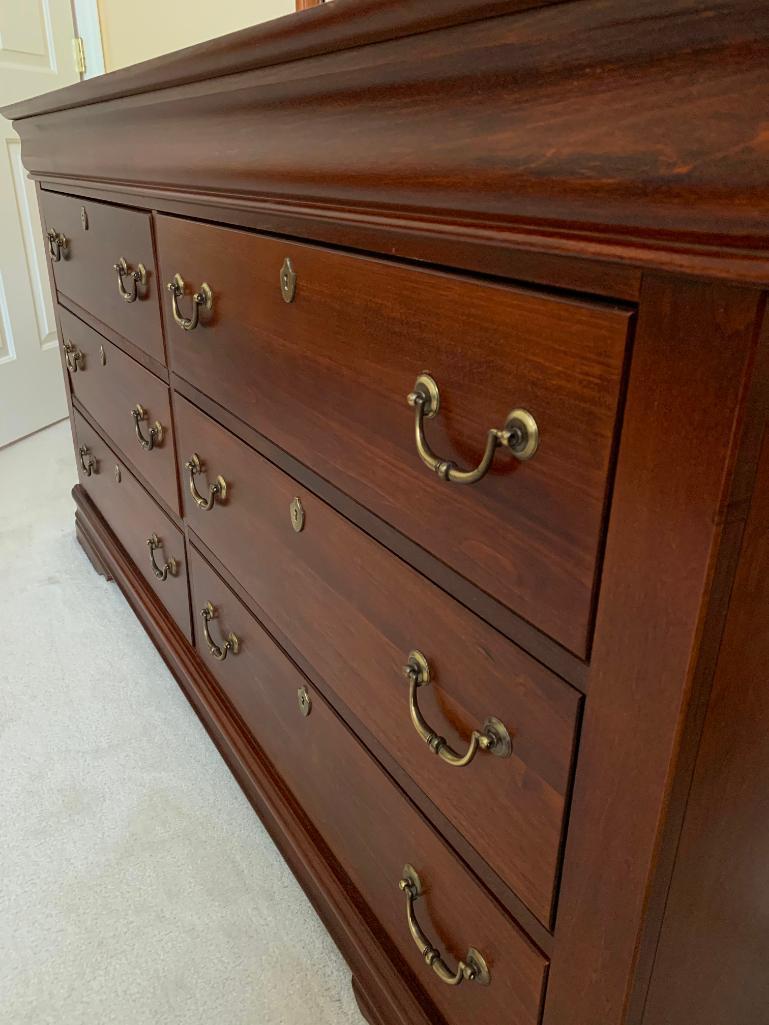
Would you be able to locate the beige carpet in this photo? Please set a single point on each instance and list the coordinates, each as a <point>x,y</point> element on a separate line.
<point>137,886</point>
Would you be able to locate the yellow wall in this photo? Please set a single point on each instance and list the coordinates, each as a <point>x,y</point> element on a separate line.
<point>135,30</point>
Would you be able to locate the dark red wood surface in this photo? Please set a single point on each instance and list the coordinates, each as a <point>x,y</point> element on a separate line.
<point>662,602</point>
<point>552,129</point>
<point>110,390</point>
<point>85,271</point>
<point>710,967</point>
<point>134,517</point>
<point>369,826</point>
<point>355,612</point>
<point>326,377</point>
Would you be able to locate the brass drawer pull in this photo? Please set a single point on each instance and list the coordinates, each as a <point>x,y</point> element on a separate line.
<point>57,244</point>
<point>520,434</point>
<point>231,644</point>
<point>472,969</point>
<point>161,572</point>
<point>155,432</point>
<point>217,492</point>
<point>138,277</point>
<point>87,461</point>
<point>493,738</point>
<point>74,359</point>
<point>203,297</point>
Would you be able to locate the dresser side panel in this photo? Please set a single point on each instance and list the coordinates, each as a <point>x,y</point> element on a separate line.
<point>711,961</point>
<point>664,590</point>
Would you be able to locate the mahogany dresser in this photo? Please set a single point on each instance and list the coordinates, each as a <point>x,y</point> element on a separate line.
<point>419,374</point>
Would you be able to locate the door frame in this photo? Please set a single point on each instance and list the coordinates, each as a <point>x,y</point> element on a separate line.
<point>88,27</point>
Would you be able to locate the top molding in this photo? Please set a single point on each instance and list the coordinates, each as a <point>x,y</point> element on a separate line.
<point>628,134</point>
<point>331,27</point>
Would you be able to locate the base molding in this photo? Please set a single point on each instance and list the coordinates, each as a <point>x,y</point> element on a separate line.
<point>382,989</point>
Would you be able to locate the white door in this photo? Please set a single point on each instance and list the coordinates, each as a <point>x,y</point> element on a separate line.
<point>35,56</point>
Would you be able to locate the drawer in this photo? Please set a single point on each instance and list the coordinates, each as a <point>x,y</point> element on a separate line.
<point>85,270</point>
<point>355,612</point>
<point>327,376</point>
<point>366,821</point>
<point>127,400</point>
<point>135,518</point>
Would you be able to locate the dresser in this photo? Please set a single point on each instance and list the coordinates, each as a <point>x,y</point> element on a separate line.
<point>418,367</point>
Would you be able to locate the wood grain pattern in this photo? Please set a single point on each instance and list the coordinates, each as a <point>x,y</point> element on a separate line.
<point>423,244</point>
<point>562,662</point>
<point>380,974</point>
<point>356,612</point>
<point>539,934</point>
<point>711,962</point>
<point>134,516</point>
<point>326,378</point>
<point>591,157</point>
<point>693,354</point>
<point>85,271</point>
<point>339,26</point>
<point>368,825</point>
<point>110,391</point>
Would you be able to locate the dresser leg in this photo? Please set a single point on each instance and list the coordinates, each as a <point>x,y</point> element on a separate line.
<point>88,548</point>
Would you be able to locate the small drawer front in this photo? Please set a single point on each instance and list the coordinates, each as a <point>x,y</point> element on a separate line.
<point>327,374</point>
<point>92,239</point>
<point>356,612</point>
<point>366,821</point>
<point>135,519</point>
<point>131,404</point>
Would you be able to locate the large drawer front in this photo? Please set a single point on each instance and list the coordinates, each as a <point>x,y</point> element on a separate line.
<point>368,824</point>
<point>97,236</point>
<point>355,612</point>
<point>327,375</point>
<point>111,386</point>
<point>135,518</point>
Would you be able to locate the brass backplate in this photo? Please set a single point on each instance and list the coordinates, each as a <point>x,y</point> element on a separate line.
<point>304,700</point>
<point>418,662</point>
<point>411,875</point>
<point>288,281</point>
<point>296,511</point>
<point>426,385</point>
<point>477,961</point>
<point>503,744</point>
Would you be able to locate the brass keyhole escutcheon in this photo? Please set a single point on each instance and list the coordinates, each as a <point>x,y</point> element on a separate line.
<point>287,281</point>
<point>102,356</point>
<point>304,700</point>
<point>84,218</point>
<point>296,510</point>
<point>118,475</point>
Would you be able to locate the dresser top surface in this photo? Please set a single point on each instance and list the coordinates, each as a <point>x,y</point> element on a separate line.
<point>339,25</point>
<point>631,133</point>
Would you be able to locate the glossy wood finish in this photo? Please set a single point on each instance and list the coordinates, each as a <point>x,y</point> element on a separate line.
<point>710,967</point>
<point>85,271</point>
<point>110,390</point>
<point>541,647</point>
<point>529,533</point>
<point>368,826</point>
<point>600,165</point>
<point>356,612</point>
<point>597,153</point>
<point>677,515</point>
<point>380,979</point>
<point>134,517</point>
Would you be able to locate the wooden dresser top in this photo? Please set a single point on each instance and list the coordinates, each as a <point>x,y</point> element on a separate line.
<point>628,134</point>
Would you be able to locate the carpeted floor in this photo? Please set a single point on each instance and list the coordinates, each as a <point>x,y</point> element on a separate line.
<point>137,886</point>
